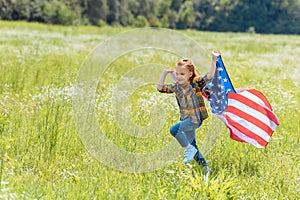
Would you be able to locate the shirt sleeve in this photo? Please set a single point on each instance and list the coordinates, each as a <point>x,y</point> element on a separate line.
<point>202,81</point>
<point>168,88</point>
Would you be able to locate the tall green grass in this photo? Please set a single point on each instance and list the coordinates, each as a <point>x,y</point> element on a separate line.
<point>42,156</point>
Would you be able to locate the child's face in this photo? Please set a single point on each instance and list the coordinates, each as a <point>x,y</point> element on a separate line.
<point>183,75</point>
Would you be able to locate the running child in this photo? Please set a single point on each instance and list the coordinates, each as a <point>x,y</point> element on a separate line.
<point>188,91</point>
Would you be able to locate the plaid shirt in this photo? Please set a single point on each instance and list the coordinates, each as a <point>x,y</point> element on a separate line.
<point>189,98</point>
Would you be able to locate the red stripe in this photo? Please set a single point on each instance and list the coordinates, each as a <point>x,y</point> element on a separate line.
<point>253,105</point>
<point>250,119</point>
<point>234,136</point>
<point>261,96</point>
<point>246,131</point>
<point>266,102</point>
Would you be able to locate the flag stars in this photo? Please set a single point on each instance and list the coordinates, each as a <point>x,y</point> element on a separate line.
<point>220,85</point>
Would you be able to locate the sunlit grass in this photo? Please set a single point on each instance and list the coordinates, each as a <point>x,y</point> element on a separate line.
<point>42,156</point>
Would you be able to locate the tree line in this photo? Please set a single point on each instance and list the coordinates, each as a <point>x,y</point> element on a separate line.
<point>261,16</point>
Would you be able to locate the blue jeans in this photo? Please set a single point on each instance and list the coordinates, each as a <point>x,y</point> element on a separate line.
<point>185,133</point>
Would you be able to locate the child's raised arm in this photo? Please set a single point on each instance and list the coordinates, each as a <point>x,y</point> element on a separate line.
<point>161,81</point>
<point>212,70</point>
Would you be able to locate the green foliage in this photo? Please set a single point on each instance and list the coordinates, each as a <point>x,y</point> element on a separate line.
<point>126,17</point>
<point>14,10</point>
<point>96,11</point>
<point>42,156</point>
<point>165,21</point>
<point>186,16</point>
<point>58,13</point>
<point>35,11</point>
<point>268,16</point>
<point>140,22</point>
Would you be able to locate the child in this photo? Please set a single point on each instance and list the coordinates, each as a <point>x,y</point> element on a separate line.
<point>188,90</point>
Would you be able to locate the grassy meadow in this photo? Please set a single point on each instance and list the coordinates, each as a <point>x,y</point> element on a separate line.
<point>43,157</point>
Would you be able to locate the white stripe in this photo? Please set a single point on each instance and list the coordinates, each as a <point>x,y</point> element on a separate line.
<point>239,134</point>
<point>254,98</point>
<point>248,125</point>
<point>245,138</point>
<point>254,113</point>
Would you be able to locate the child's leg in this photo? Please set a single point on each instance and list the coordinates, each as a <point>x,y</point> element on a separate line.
<point>192,139</point>
<point>180,129</point>
<point>180,136</point>
<point>199,157</point>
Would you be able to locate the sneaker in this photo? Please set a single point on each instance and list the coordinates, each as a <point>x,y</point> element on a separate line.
<point>189,153</point>
<point>200,160</point>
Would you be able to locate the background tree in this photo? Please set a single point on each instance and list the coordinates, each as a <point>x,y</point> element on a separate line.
<point>264,16</point>
<point>35,11</point>
<point>186,15</point>
<point>140,22</point>
<point>14,10</point>
<point>176,4</point>
<point>126,16</point>
<point>205,12</point>
<point>114,12</point>
<point>58,13</point>
<point>97,10</point>
<point>5,9</point>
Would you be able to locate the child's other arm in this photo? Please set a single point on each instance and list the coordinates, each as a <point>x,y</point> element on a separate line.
<point>161,81</point>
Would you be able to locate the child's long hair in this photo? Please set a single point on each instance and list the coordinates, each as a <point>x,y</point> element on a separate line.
<point>190,66</point>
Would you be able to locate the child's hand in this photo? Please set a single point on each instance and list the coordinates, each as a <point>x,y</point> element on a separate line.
<point>168,71</point>
<point>171,72</point>
<point>161,81</point>
<point>215,54</point>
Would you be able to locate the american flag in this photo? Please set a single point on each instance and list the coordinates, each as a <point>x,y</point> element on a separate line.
<point>246,112</point>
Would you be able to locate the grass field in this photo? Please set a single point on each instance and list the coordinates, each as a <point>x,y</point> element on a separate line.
<point>43,157</point>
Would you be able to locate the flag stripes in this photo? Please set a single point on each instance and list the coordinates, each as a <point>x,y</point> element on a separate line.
<point>235,112</point>
<point>258,97</point>
<point>247,113</point>
<point>240,137</point>
<point>254,109</point>
<point>249,118</point>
